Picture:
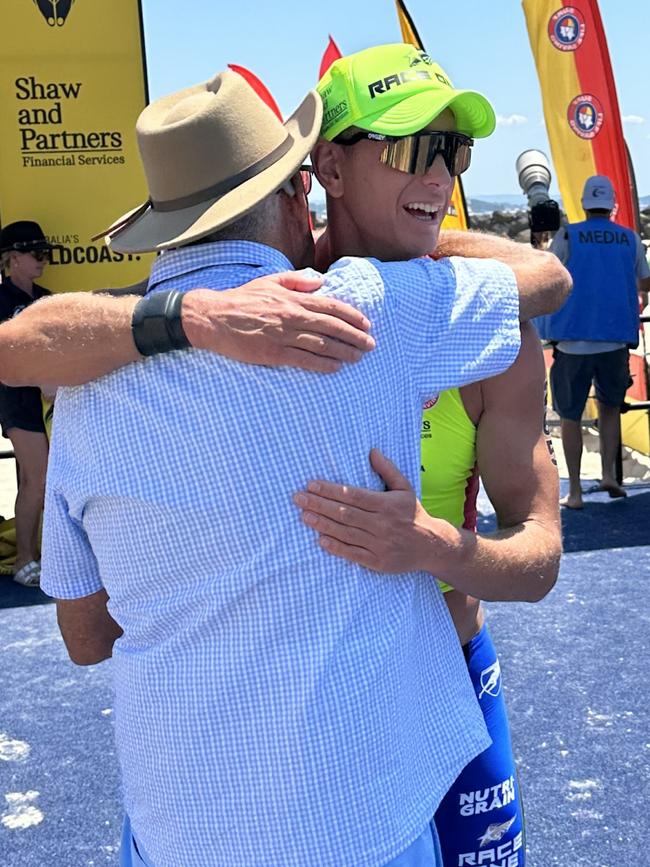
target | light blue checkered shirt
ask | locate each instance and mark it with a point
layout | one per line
(275, 705)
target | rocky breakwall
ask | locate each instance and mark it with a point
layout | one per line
(514, 224)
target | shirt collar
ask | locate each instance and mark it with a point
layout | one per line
(10, 286)
(176, 263)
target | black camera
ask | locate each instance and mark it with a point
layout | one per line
(544, 216)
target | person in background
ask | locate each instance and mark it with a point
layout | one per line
(24, 250)
(594, 329)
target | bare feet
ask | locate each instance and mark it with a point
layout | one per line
(572, 501)
(613, 489)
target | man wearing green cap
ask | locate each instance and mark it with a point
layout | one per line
(389, 112)
(385, 815)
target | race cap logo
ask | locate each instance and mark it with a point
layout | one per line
(566, 28)
(422, 57)
(491, 680)
(586, 116)
(55, 12)
(495, 833)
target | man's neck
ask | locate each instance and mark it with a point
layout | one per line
(342, 236)
(323, 257)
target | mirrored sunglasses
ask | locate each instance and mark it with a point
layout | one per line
(415, 154)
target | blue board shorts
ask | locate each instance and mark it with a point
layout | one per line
(481, 819)
(130, 853)
(423, 852)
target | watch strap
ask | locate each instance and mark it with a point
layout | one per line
(156, 324)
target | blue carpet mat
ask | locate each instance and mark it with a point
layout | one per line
(575, 670)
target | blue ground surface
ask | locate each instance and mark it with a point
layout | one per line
(576, 676)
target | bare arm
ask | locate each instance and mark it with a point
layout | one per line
(544, 283)
(644, 288)
(391, 532)
(521, 559)
(88, 630)
(72, 338)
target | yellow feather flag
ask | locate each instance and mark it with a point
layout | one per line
(457, 216)
(581, 109)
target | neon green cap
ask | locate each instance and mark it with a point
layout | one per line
(396, 90)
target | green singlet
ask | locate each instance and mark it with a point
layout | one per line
(448, 462)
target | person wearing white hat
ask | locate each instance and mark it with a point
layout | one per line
(594, 329)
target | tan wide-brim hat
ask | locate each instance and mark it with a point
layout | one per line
(211, 153)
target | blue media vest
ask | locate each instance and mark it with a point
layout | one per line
(603, 304)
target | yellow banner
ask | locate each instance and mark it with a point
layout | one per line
(72, 83)
(457, 214)
(560, 84)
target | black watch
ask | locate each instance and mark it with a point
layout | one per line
(156, 324)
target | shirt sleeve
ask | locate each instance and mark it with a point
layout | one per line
(560, 245)
(69, 569)
(642, 269)
(459, 319)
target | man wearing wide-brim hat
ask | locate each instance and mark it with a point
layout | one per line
(273, 705)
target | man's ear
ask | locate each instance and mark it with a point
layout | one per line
(327, 159)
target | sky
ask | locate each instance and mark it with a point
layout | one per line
(482, 44)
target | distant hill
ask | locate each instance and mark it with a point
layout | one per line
(485, 204)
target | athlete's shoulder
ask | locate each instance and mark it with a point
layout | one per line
(488, 273)
(391, 279)
(527, 372)
(352, 276)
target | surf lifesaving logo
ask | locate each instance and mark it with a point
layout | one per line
(566, 28)
(55, 12)
(585, 115)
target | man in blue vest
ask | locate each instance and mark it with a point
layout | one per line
(595, 328)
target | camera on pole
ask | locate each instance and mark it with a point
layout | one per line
(534, 174)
